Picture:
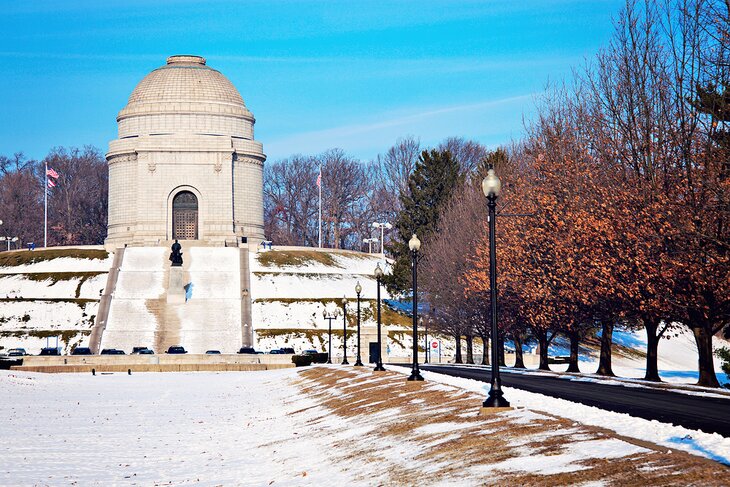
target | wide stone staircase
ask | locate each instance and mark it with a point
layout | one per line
(209, 317)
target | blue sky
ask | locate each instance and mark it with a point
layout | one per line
(316, 74)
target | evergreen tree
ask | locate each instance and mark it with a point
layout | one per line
(715, 101)
(429, 187)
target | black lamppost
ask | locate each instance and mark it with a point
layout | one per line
(329, 317)
(491, 187)
(358, 290)
(344, 331)
(379, 365)
(415, 245)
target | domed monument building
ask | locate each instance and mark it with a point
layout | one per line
(185, 165)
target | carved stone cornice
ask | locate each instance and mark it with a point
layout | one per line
(246, 159)
(131, 157)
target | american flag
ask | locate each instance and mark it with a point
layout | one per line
(319, 180)
(52, 173)
(51, 183)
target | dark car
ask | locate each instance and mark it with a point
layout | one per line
(247, 350)
(287, 350)
(136, 350)
(176, 349)
(146, 351)
(310, 352)
(276, 351)
(212, 352)
(112, 351)
(50, 351)
(17, 352)
(81, 351)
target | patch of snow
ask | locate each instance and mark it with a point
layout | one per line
(566, 461)
(445, 427)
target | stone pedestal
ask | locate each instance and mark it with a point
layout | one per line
(176, 286)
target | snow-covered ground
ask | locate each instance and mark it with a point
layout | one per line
(287, 298)
(677, 357)
(50, 299)
(326, 426)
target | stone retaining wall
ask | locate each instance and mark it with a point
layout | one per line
(56, 369)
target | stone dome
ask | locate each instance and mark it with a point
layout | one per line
(182, 97)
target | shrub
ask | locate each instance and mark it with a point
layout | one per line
(724, 355)
(320, 358)
(301, 360)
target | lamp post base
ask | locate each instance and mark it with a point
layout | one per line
(379, 368)
(345, 362)
(328, 362)
(358, 363)
(415, 376)
(495, 399)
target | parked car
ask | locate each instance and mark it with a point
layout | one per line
(50, 351)
(17, 352)
(276, 351)
(146, 351)
(212, 352)
(81, 351)
(137, 350)
(247, 350)
(287, 350)
(310, 352)
(177, 350)
(112, 351)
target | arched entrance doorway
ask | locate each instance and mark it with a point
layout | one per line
(185, 216)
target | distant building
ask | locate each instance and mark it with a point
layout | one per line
(186, 165)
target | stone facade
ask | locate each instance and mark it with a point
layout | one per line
(185, 129)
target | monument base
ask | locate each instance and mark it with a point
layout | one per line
(176, 287)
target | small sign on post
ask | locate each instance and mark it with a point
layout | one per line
(436, 347)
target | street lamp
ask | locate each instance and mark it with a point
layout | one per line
(491, 187)
(329, 317)
(379, 365)
(358, 290)
(246, 339)
(370, 242)
(344, 331)
(8, 239)
(415, 245)
(382, 226)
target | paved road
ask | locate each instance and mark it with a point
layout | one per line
(708, 414)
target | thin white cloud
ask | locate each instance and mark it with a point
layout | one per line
(437, 122)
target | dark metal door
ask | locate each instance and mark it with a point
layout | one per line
(185, 216)
(373, 352)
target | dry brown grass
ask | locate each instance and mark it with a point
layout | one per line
(295, 258)
(464, 451)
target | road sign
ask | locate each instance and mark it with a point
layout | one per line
(434, 344)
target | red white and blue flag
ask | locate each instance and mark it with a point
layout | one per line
(51, 183)
(51, 172)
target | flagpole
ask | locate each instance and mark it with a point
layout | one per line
(45, 205)
(320, 206)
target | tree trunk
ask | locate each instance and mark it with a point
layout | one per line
(469, 349)
(542, 342)
(703, 338)
(604, 364)
(458, 359)
(651, 324)
(574, 342)
(485, 350)
(519, 359)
